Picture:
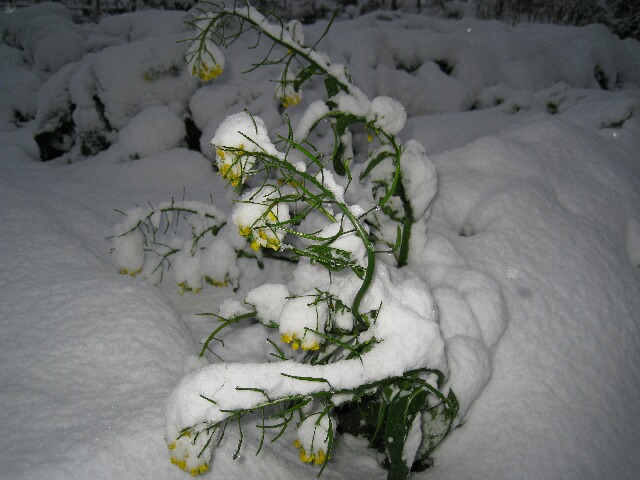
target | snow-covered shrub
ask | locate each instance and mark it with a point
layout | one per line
(84, 106)
(364, 335)
(18, 89)
(150, 132)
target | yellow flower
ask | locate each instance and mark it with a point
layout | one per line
(195, 471)
(227, 172)
(182, 464)
(215, 282)
(125, 271)
(205, 72)
(290, 100)
(231, 167)
(183, 287)
(318, 457)
(297, 343)
(260, 237)
(181, 458)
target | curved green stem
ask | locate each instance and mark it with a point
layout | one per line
(226, 322)
(358, 228)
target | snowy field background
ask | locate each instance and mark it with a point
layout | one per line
(532, 249)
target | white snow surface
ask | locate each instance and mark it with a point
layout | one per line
(530, 248)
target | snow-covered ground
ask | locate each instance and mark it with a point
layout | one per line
(532, 249)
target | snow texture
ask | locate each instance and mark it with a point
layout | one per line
(530, 247)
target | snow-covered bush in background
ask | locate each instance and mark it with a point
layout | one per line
(136, 63)
(152, 131)
(620, 16)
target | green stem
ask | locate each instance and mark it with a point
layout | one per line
(371, 262)
(225, 323)
(359, 230)
(407, 224)
(299, 50)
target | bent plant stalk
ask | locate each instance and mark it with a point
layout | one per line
(226, 25)
(358, 321)
(319, 384)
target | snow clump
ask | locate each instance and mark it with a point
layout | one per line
(152, 131)
(237, 136)
(259, 216)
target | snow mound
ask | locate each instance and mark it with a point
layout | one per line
(150, 132)
(88, 356)
(543, 209)
(531, 250)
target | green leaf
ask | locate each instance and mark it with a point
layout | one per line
(332, 86)
(402, 411)
(374, 162)
(304, 75)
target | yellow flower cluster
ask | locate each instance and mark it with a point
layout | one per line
(184, 287)
(205, 72)
(125, 271)
(260, 237)
(264, 237)
(217, 283)
(290, 100)
(180, 458)
(230, 167)
(297, 343)
(206, 61)
(318, 457)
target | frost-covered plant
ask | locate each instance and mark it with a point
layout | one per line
(363, 335)
(178, 234)
(345, 107)
(352, 337)
(360, 332)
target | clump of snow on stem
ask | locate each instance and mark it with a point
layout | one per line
(294, 28)
(387, 115)
(269, 300)
(347, 240)
(312, 115)
(237, 137)
(258, 216)
(302, 321)
(128, 249)
(286, 91)
(419, 177)
(313, 438)
(326, 177)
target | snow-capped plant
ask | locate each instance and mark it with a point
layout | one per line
(360, 332)
(178, 234)
(363, 336)
(345, 107)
